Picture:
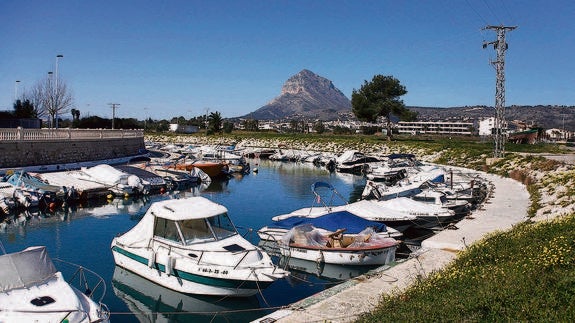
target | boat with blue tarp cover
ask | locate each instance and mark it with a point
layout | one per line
(325, 215)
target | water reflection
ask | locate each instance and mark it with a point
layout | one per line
(153, 303)
(328, 272)
(98, 208)
(300, 269)
(134, 206)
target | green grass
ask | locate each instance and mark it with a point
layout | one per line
(525, 275)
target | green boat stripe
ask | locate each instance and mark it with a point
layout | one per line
(211, 281)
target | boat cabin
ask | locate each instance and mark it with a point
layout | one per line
(195, 230)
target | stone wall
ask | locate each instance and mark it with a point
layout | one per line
(32, 153)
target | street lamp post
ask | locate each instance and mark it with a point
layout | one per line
(114, 107)
(56, 88)
(51, 101)
(206, 121)
(16, 91)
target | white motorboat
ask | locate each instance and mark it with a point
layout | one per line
(353, 161)
(338, 216)
(427, 215)
(118, 182)
(459, 207)
(326, 223)
(409, 185)
(397, 167)
(33, 290)
(364, 248)
(15, 196)
(191, 246)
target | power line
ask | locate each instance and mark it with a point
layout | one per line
(492, 12)
(511, 18)
(476, 12)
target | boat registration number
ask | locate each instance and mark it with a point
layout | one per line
(213, 271)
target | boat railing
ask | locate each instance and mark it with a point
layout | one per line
(89, 283)
(201, 253)
(27, 134)
(103, 314)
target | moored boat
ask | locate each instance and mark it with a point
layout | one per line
(191, 246)
(353, 161)
(324, 206)
(364, 248)
(118, 182)
(214, 169)
(326, 224)
(46, 194)
(33, 290)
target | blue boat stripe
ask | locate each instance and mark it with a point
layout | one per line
(219, 282)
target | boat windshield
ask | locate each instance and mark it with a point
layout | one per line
(222, 226)
(196, 230)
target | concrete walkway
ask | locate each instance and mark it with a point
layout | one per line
(507, 206)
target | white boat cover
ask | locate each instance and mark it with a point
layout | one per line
(196, 207)
(347, 156)
(405, 204)
(373, 210)
(27, 267)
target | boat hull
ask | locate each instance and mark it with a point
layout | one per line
(342, 256)
(213, 169)
(190, 278)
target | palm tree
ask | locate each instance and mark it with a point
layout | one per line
(215, 122)
(75, 116)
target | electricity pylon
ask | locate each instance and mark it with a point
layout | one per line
(500, 46)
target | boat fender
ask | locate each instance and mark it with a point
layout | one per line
(170, 266)
(320, 259)
(152, 259)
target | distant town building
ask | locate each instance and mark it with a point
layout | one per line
(435, 127)
(180, 128)
(486, 126)
(558, 134)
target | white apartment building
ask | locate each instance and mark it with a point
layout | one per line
(435, 127)
(486, 126)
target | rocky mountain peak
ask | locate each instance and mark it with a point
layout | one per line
(305, 94)
(306, 80)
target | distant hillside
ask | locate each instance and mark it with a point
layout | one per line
(310, 96)
(306, 95)
(543, 116)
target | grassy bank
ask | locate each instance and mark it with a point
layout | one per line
(523, 275)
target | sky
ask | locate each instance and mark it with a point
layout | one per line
(169, 58)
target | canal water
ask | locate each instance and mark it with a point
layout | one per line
(83, 234)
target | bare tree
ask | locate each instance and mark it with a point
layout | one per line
(50, 100)
(36, 96)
